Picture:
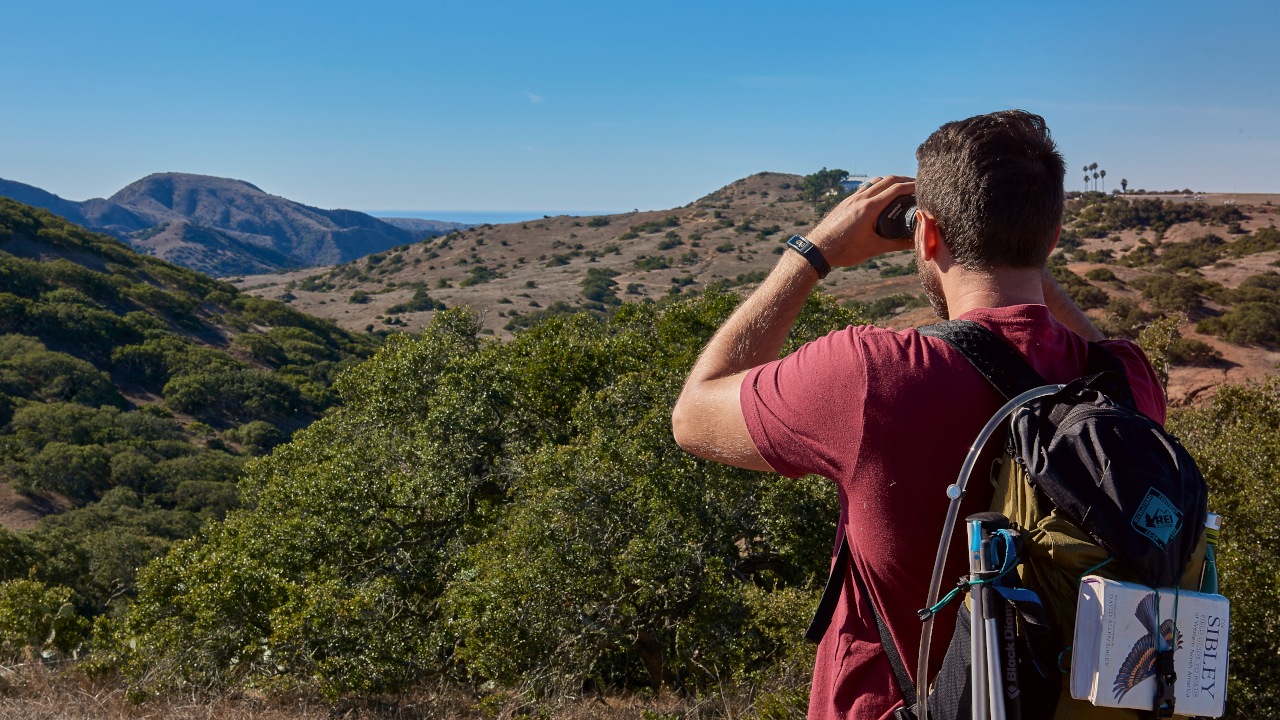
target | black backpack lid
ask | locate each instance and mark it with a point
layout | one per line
(1111, 470)
(1116, 474)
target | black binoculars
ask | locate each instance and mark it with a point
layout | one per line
(898, 221)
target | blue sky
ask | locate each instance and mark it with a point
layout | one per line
(614, 106)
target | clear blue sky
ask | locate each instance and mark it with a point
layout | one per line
(613, 106)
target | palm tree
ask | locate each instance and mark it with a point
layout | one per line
(1086, 179)
(1124, 185)
(1093, 168)
(1104, 179)
(1095, 181)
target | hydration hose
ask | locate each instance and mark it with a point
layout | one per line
(955, 492)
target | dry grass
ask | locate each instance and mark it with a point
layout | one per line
(31, 691)
(34, 691)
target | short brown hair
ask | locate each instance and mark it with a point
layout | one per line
(994, 183)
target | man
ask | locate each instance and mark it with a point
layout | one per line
(889, 416)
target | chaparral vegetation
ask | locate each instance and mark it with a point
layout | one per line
(256, 501)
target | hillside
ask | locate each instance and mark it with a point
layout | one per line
(516, 273)
(507, 519)
(222, 227)
(132, 391)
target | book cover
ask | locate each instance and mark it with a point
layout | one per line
(1119, 628)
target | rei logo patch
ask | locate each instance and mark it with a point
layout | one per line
(1157, 518)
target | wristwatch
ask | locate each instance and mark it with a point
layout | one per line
(811, 253)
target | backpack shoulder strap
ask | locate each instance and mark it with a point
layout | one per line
(827, 608)
(994, 358)
(900, 674)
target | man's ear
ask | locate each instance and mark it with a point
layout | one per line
(930, 235)
(1056, 236)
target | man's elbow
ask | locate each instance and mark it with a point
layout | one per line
(682, 425)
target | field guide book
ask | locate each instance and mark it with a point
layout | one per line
(1118, 626)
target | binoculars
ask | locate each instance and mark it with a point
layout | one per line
(898, 221)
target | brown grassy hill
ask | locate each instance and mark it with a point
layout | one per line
(514, 273)
(729, 236)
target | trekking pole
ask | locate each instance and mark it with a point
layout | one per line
(955, 492)
(977, 626)
(984, 627)
(991, 631)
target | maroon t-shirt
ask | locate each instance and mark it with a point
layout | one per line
(889, 416)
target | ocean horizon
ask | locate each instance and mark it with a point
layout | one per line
(481, 217)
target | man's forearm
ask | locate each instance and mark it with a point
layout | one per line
(707, 419)
(1065, 310)
(756, 331)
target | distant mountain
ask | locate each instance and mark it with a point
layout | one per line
(228, 227)
(425, 228)
(102, 215)
(201, 247)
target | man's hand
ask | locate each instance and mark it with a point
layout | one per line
(847, 235)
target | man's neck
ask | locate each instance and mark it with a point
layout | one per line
(967, 290)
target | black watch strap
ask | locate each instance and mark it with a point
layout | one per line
(811, 253)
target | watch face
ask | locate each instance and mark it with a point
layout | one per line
(801, 244)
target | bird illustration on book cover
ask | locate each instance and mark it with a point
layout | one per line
(1140, 664)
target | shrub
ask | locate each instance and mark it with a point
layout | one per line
(420, 302)
(1173, 293)
(223, 393)
(36, 372)
(78, 472)
(886, 307)
(598, 286)
(258, 437)
(1140, 256)
(1105, 255)
(1156, 339)
(38, 617)
(1258, 288)
(689, 257)
(1262, 240)
(1189, 351)
(899, 270)
(1247, 323)
(654, 262)
(1078, 289)
(479, 274)
(1124, 318)
(1195, 253)
(515, 513)
(1096, 215)
(1235, 441)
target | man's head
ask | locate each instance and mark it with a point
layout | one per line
(994, 185)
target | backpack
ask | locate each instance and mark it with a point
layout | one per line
(1086, 485)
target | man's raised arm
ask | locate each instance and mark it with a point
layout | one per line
(707, 420)
(1065, 310)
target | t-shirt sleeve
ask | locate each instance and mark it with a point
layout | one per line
(804, 412)
(1148, 391)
